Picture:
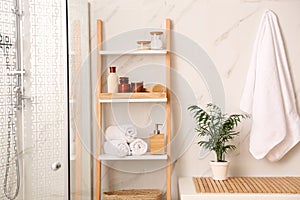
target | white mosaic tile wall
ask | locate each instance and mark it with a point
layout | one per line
(43, 135)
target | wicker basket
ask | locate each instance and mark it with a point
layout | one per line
(144, 194)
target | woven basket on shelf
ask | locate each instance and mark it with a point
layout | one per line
(144, 194)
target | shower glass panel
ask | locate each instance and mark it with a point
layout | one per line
(81, 121)
(33, 100)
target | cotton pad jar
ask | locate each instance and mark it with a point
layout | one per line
(143, 44)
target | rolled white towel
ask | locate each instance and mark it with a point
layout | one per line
(117, 148)
(130, 132)
(125, 132)
(138, 147)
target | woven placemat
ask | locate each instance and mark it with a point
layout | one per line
(284, 185)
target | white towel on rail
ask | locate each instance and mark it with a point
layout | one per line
(138, 147)
(125, 132)
(117, 148)
(269, 96)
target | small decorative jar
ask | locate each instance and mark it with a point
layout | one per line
(137, 86)
(143, 44)
(124, 85)
(156, 40)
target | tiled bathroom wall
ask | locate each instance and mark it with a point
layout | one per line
(45, 113)
(33, 106)
(9, 115)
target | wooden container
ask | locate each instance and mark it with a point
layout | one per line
(157, 144)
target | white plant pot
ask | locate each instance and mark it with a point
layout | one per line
(219, 170)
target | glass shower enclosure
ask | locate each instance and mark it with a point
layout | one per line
(33, 100)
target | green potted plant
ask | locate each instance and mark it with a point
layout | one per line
(216, 130)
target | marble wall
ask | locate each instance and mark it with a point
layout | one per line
(225, 32)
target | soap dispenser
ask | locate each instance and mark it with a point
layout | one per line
(157, 141)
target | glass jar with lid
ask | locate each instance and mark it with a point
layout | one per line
(124, 85)
(143, 44)
(156, 40)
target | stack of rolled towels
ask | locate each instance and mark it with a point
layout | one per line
(122, 141)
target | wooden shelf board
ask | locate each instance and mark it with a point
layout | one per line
(134, 52)
(141, 157)
(133, 97)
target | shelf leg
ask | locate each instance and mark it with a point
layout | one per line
(168, 108)
(98, 180)
(99, 112)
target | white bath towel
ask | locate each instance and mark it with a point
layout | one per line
(138, 147)
(269, 95)
(126, 132)
(117, 148)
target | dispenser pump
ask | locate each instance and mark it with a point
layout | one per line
(157, 131)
